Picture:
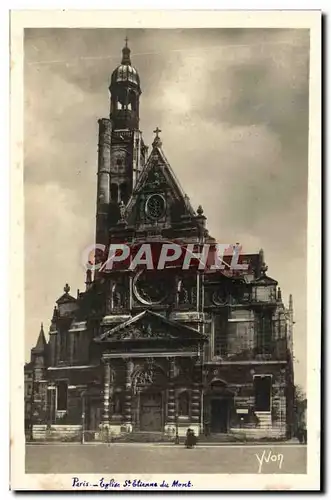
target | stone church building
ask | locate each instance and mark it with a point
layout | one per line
(158, 351)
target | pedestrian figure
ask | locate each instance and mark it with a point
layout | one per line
(191, 439)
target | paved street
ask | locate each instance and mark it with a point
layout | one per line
(158, 458)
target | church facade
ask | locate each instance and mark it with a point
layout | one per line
(150, 350)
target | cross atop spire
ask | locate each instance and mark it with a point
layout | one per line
(157, 141)
(126, 53)
(157, 131)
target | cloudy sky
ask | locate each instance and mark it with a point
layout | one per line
(233, 108)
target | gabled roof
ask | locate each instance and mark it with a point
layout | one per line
(139, 328)
(66, 298)
(264, 280)
(158, 163)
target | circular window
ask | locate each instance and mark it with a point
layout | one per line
(155, 206)
(150, 288)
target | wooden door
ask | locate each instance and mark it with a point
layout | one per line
(151, 412)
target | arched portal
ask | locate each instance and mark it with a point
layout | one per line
(148, 386)
(218, 405)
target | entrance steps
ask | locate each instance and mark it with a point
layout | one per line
(265, 420)
(217, 438)
(143, 437)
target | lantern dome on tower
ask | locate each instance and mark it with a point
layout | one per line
(125, 72)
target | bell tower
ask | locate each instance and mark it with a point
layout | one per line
(125, 93)
(121, 151)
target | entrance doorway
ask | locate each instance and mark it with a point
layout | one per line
(219, 415)
(94, 416)
(262, 388)
(150, 411)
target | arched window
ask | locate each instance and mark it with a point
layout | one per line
(124, 192)
(114, 192)
(134, 102)
(183, 404)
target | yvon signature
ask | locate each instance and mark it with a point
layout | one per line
(268, 457)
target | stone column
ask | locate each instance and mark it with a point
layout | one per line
(106, 393)
(128, 396)
(171, 405)
(195, 403)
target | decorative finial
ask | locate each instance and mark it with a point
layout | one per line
(41, 326)
(157, 141)
(264, 268)
(290, 302)
(66, 288)
(200, 210)
(126, 53)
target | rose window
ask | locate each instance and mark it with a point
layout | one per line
(155, 207)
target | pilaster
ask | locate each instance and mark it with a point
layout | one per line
(106, 394)
(128, 396)
(171, 404)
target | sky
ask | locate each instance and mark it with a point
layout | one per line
(232, 105)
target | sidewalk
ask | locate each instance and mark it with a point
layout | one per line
(261, 444)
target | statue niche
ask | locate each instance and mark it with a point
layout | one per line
(187, 293)
(118, 297)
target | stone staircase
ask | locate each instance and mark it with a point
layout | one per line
(142, 437)
(218, 438)
(265, 421)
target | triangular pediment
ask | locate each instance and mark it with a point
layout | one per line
(150, 326)
(158, 178)
(264, 280)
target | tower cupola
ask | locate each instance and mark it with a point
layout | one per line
(125, 92)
